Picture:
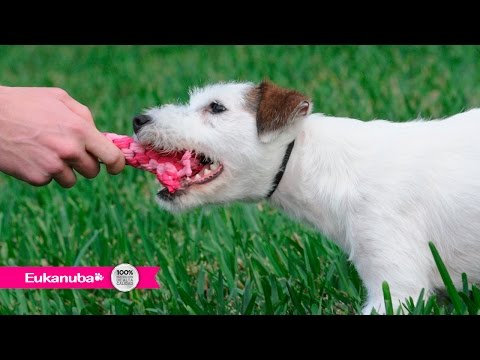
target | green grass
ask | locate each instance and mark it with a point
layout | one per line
(238, 259)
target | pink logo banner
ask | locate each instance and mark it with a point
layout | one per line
(70, 277)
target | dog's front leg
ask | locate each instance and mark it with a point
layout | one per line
(403, 285)
(399, 295)
(406, 276)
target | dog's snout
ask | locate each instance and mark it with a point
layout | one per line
(139, 121)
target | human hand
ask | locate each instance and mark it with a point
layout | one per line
(45, 134)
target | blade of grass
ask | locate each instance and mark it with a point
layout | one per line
(465, 283)
(420, 305)
(387, 298)
(472, 309)
(85, 247)
(447, 280)
(267, 295)
(248, 299)
(23, 307)
(476, 295)
(295, 299)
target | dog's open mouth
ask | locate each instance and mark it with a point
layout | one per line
(178, 170)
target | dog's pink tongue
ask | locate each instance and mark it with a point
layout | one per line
(168, 167)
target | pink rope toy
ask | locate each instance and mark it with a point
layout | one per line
(168, 173)
(173, 169)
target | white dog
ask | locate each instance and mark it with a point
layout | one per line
(381, 190)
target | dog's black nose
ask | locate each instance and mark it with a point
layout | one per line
(139, 121)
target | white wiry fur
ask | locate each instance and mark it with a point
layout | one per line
(380, 190)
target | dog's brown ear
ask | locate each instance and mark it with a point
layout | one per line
(276, 108)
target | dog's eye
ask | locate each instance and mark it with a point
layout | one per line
(216, 108)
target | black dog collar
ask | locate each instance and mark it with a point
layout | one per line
(280, 172)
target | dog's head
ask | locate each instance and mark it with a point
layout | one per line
(238, 131)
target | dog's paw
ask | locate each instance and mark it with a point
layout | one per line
(98, 277)
(374, 307)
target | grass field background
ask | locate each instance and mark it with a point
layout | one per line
(239, 259)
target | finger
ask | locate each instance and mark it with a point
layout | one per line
(78, 108)
(86, 165)
(66, 178)
(74, 106)
(56, 92)
(101, 147)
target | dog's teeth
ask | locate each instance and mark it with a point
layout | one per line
(214, 166)
(197, 177)
(206, 172)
